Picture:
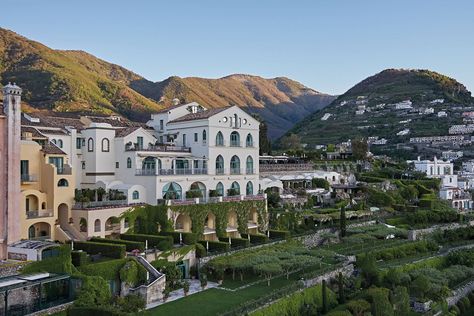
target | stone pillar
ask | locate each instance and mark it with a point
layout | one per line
(10, 167)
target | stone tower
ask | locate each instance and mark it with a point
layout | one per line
(10, 137)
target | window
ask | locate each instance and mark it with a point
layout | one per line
(90, 145)
(161, 125)
(234, 139)
(195, 137)
(58, 162)
(139, 142)
(63, 183)
(83, 164)
(184, 140)
(219, 165)
(220, 189)
(235, 165)
(204, 136)
(24, 169)
(249, 165)
(129, 163)
(60, 143)
(196, 164)
(135, 195)
(105, 145)
(249, 189)
(219, 139)
(97, 225)
(79, 143)
(117, 165)
(249, 141)
(234, 188)
(172, 191)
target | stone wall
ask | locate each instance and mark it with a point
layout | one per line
(460, 293)
(13, 268)
(152, 292)
(418, 234)
(346, 271)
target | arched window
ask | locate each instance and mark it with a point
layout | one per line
(235, 165)
(53, 141)
(172, 191)
(220, 189)
(219, 139)
(135, 195)
(219, 165)
(60, 143)
(249, 140)
(204, 136)
(63, 183)
(234, 189)
(249, 189)
(249, 165)
(129, 162)
(105, 145)
(234, 139)
(97, 225)
(149, 166)
(90, 145)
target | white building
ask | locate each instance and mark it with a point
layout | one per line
(403, 132)
(461, 129)
(404, 105)
(442, 114)
(451, 155)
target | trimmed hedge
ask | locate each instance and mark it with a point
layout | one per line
(108, 270)
(215, 245)
(256, 239)
(96, 311)
(201, 251)
(129, 244)
(154, 241)
(279, 234)
(236, 242)
(108, 250)
(79, 258)
(188, 238)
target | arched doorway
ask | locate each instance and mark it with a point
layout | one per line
(112, 224)
(210, 222)
(232, 219)
(40, 230)
(172, 191)
(31, 204)
(97, 225)
(183, 223)
(63, 214)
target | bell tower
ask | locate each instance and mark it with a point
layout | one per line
(10, 191)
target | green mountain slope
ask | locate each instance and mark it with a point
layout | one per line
(77, 82)
(378, 94)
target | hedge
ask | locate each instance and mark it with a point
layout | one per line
(79, 258)
(108, 250)
(279, 234)
(236, 242)
(188, 238)
(426, 203)
(256, 239)
(200, 251)
(404, 250)
(109, 270)
(215, 245)
(154, 241)
(129, 245)
(96, 311)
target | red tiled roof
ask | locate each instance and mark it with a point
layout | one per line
(51, 149)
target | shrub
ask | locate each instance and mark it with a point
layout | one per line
(129, 244)
(236, 242)
(426, 203)
(215, 245)
(79, 258)
(172, 272)
(187, 238)
(279, 234)
(60, 264)
(200, 251)
(130, 303)
(95, 292)
(108, 250)
(160, 242)
(256, 239)
(109, 270)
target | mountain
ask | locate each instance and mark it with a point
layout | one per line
(76, 82)
(427, 91)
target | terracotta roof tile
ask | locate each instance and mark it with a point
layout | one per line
(51, 149)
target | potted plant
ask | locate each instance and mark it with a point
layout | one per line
(220, 276)
(186, 287)
(166, 294)
(203, 280)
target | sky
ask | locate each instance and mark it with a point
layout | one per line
(328, 45)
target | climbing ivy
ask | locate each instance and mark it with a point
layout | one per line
(149, 219)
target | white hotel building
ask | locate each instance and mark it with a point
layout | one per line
(185, 150)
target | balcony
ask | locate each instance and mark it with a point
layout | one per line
(220, 199)
(286, 167)
(170, 172)
(235, 144)
(160, 148)
(101, 204)
(65, 170)
(39, 214)
(28, 178)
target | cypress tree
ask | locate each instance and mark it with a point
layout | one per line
(325, 298)
(342, 222)
(342, 298)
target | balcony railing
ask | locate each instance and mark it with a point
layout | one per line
(235, 171)
(169, 172)
(257, 197)
(29, 178)
(65, 170)
(160, 148)
(250, 171)
(39, 214)
(101, 204)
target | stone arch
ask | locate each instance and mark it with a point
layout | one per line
(112, 224)
(232, 219)
(39, 230)
(63, 214)
(210, 222)
(183, 223)
(197, 189)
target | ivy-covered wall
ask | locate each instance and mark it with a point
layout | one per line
(151, 219)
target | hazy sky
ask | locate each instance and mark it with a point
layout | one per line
(327, 45)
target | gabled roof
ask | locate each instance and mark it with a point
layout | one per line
(199, 115)
(51, 149)
(34, 131)
(122, 132)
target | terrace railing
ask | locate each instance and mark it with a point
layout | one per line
(159, 148)
(286, 167)
(29, 178)
(39, 214)
(169, 172)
